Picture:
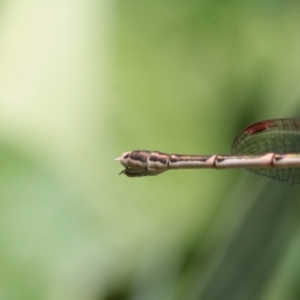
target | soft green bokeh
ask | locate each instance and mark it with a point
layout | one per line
(83, 81)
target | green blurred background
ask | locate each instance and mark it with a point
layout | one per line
(83, 81)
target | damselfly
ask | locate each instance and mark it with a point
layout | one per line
(269, 148)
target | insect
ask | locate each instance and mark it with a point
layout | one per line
(268, 148)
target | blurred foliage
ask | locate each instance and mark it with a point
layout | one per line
(82, 82)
